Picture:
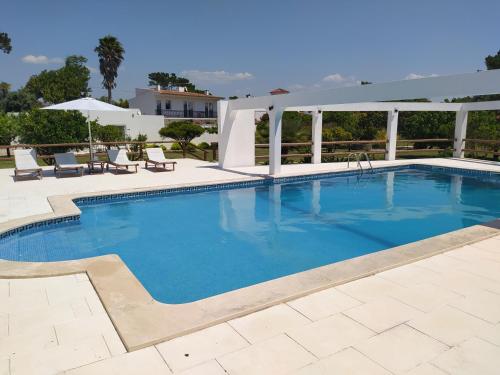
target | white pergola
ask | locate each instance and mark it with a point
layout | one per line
(236, 121)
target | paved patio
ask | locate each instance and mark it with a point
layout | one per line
(440, 315)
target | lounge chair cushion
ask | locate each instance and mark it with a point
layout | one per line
(119, 157)
(67, 160)
(156, 155)
(26, 159)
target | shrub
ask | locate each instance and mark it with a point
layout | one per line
(176, 147)
(204, 145)
(47, 126)
(183, 132)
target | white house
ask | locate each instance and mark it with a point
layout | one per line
(176, 103)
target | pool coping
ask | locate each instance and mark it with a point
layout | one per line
(142, 321)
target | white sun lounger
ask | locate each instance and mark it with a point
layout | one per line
(156, 157)
(26, 163)
(67, 162)
(119, 159)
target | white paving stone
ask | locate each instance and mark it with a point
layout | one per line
(401, 348)
(450, 325)
(188, 351)
(60, 358)
(78, 329)
(276, 356)
(4, 367)
(25, 344)
(208, 368)
(484, 305)
(268, 323)
(491, 335)
(348, 361)
(382, 313)
(369, 288)
(426, 369)
(330, 335)
(323, 304)
(409, 275)
(425, 296)
(472, 357)
(144, 361)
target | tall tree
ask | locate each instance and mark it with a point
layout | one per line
(67, 83)
(5, 43)
(170, 79)
(492, 62)
(110, 52)
(183, 132)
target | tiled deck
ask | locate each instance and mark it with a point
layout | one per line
(440, 315)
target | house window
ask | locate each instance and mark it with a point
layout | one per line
(168, 104)
(158, 107)
(210, 109)
(206, 110)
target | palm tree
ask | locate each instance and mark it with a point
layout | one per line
(110, 52)
(5, 45)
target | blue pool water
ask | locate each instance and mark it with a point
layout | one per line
(188, 246)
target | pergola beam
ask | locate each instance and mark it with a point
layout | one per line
(237, 125)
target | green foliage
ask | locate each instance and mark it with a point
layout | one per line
(212, 130)
(43, 127)
(119, 103)
(110, 133)
(176, 147)
(203, 145)
(17, 101)
(9, 129)
(492, 62)
(110, 52)
(296, 127)
(67, 83)
(4, 89)
(233, 97)
(170, 79)
(420, 125)
(183, 132)
(5, 43)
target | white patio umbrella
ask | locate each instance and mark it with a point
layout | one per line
(86, 105)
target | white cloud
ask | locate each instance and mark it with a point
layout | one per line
(418, 76)
(41, 59)
(337, 80)
(330, 81)
(218, 76)
(336, 77)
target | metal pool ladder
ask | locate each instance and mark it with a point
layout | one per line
(358, 156)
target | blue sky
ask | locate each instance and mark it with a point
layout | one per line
(239, 47)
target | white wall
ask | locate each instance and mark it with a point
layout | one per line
(135, 124)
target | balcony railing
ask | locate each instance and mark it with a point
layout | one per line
(186, 114)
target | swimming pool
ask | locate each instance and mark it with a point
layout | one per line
(186, 246)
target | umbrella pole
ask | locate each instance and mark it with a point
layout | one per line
(90, 136)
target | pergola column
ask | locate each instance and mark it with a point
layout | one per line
(275, 123)
(460, 133)
(317, 132)
(392, 134)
